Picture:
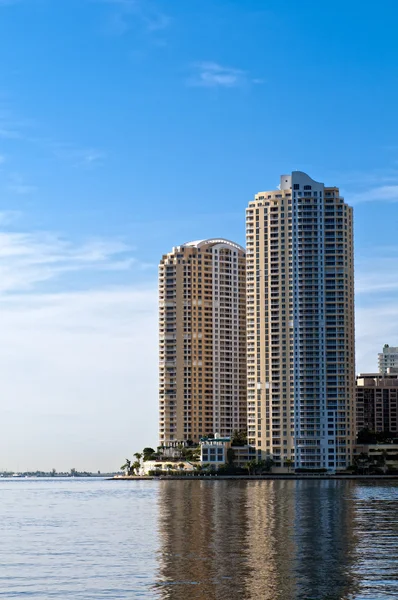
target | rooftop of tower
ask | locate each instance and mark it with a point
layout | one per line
(200, 243)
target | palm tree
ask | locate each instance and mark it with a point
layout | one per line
(169, 467)
(268, 463)
(239, 438)
(382, 461)
(288, 464)
(230, 456)
(251, 465)
(361, 462)
(126, 466)
(135, 467)
(181, 466)
(138, 456)
(148, 453)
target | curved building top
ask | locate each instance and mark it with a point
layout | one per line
(200, 243)
(298, 177)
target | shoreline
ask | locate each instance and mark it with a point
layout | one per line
(253, 477)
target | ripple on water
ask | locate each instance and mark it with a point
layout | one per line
(250, 540)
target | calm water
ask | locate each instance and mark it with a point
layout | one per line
(178, 540)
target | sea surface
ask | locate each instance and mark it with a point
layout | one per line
(188, 540)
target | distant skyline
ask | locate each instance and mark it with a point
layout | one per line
(129, 127)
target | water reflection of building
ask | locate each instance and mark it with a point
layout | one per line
(202, 536)
(376, 526)
(323, 528)
(300, 540)
(255, 540)
(271, 544)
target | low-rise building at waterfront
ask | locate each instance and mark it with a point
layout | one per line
(214, 450)
(181, 466)
(241, 455)
(382, 456)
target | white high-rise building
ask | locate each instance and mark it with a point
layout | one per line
(388, 359)
(300, 325)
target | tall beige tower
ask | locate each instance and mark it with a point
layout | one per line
(202, 346)
(300, 325)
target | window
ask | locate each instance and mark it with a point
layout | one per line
(296, 186)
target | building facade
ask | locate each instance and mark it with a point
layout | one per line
(214, 450)
(382, 456)
(300, 324)
(202, 345)
(377, 402)
(388, 359)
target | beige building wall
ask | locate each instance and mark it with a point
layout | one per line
(300, 324)
(202, 345)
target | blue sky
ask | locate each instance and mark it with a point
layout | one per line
(130, 126)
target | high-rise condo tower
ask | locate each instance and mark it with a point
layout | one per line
(202, 346)
(300, 325)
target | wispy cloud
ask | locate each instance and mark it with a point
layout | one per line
(212, 74)
(17, 185)
(81, 346)
(25, 131)
(10, 127)
(384, 193)
(376, 286)
(78, 157)
(376, 277)
(29, 259)
(375, 326)
(128, 12)
(8, 217)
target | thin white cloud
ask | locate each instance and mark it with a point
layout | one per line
(384, 193)
(26, 131)
(77, 365)
(8, 217)
(78, 157)
(376, 286)
(28, 259)
(375, 326)
(212, 74)
(13, 127)
(127, 12)
(17, 185)
(9, 130)
(377, 282)
(377, 274)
